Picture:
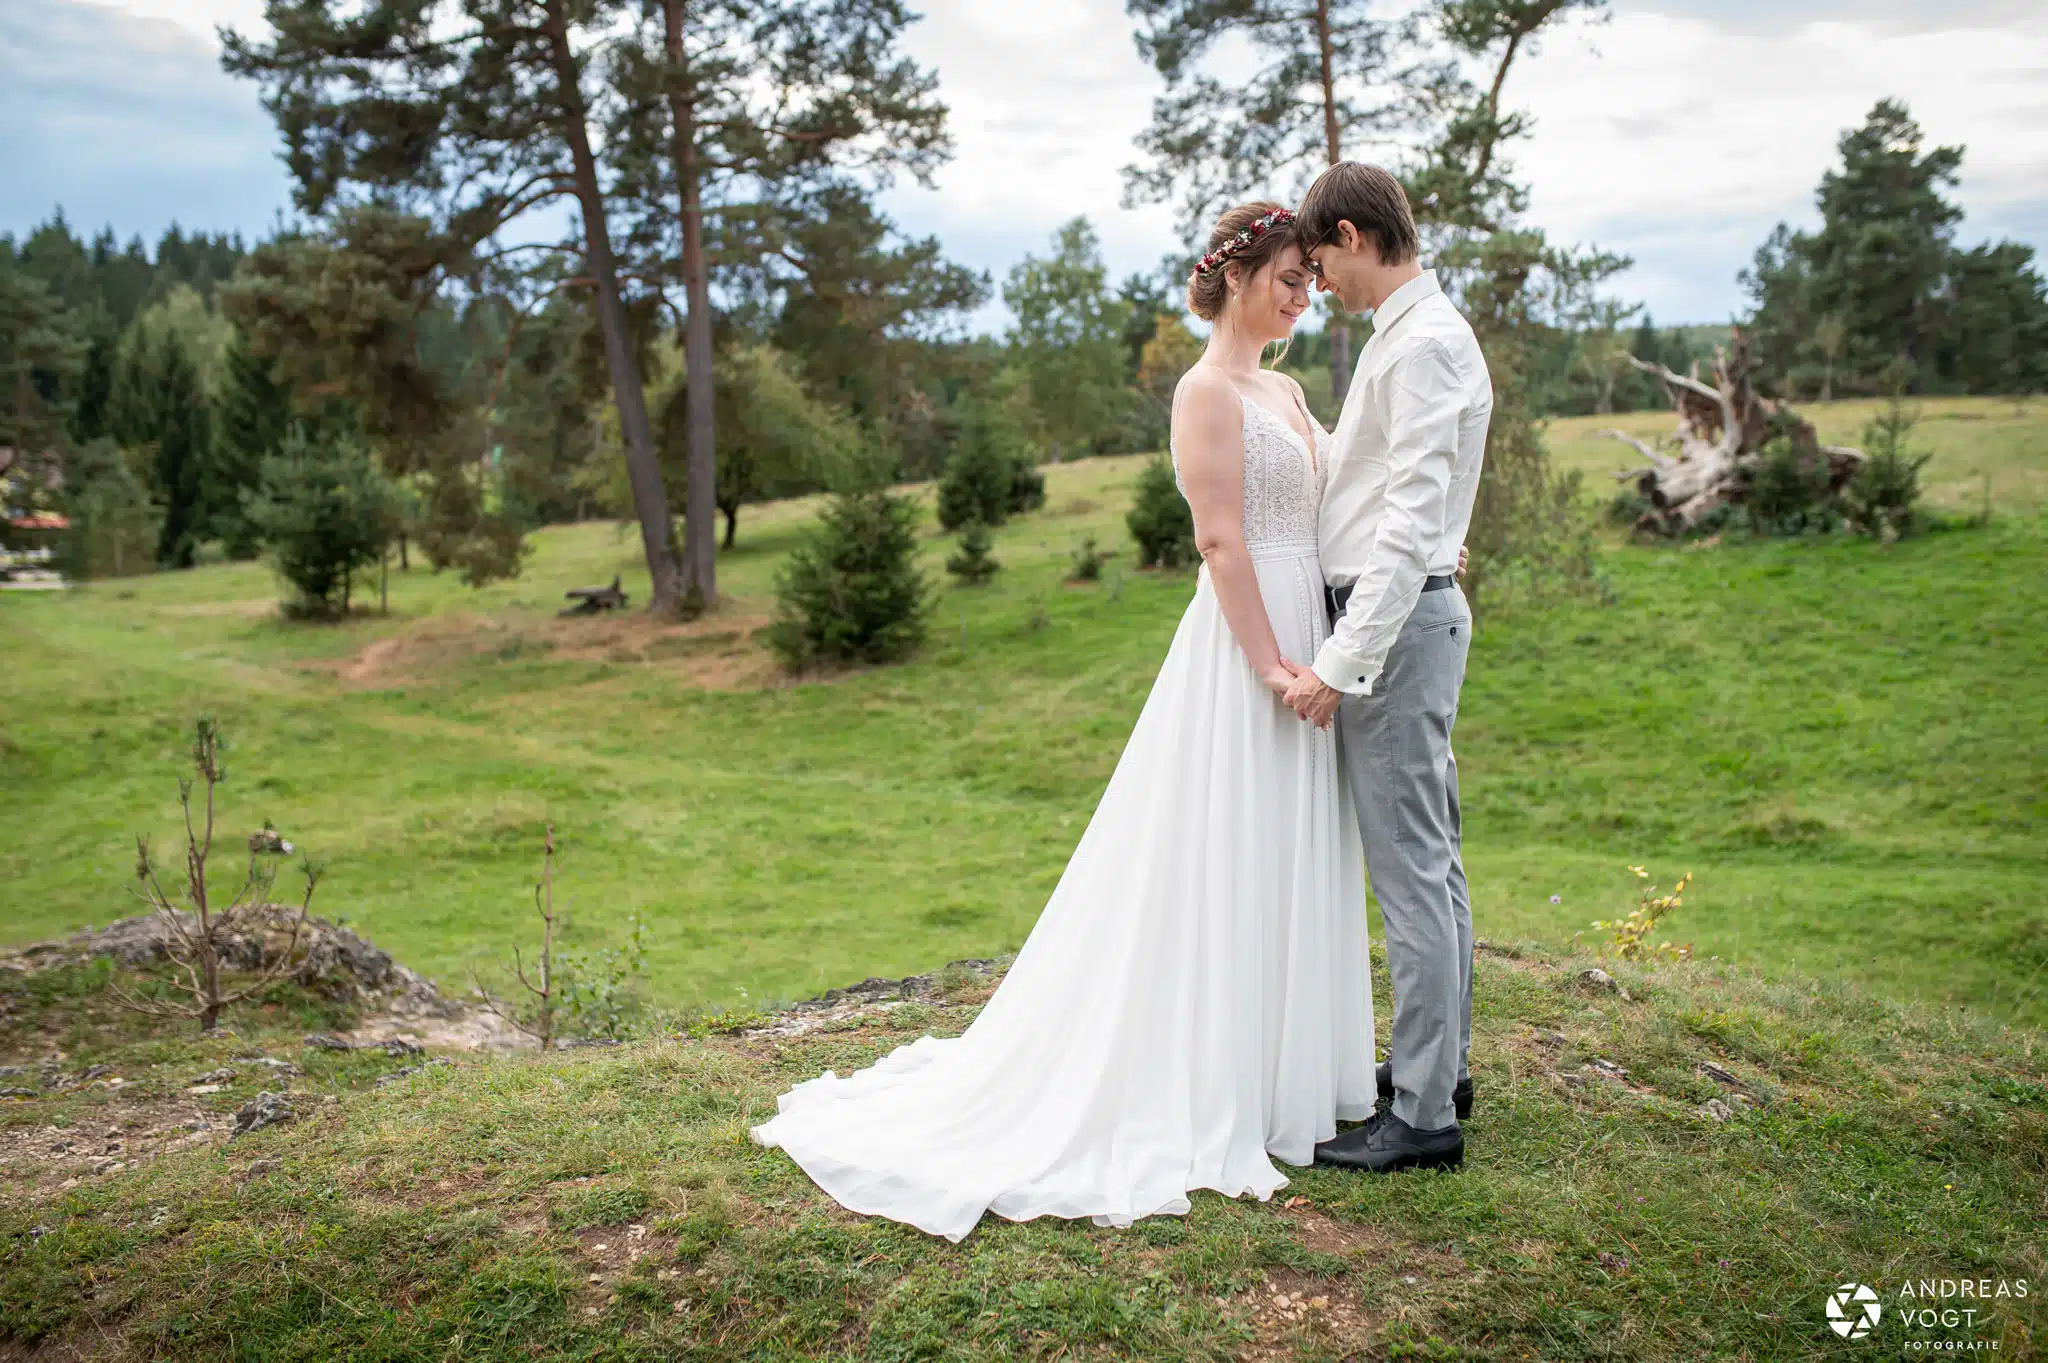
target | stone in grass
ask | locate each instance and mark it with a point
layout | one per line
(283, 1068)
(266, 1109)
(397, 1046)
(223, 1075)
(1598, 980)
(1717, 1110)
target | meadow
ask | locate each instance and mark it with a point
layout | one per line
(1843, 741)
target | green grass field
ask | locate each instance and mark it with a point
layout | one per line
(606, 1204)
(1843, 741)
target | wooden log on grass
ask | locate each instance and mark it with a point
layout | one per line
(595, 600)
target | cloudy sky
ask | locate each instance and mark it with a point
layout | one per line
(1677, 132)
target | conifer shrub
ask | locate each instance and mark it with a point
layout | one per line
(1160, 520)
(323, 511)
(990, 476)
(1882, 498)
(852, 592)
(973, 565)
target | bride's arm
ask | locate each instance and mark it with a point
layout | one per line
(1208, 439)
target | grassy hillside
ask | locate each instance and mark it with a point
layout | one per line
(1677, 1174)
(1842, 741)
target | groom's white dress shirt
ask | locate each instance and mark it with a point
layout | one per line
(1404, 465)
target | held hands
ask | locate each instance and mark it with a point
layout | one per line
(1308, 697)
(1313, 701)
(1281, 675)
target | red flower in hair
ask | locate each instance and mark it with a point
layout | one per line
(1279, 217)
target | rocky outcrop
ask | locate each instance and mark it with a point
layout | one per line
(399, 1005)
(876, 994)
(334, 961)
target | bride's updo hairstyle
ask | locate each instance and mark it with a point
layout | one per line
(1208, 288)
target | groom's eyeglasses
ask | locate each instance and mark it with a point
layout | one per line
(1308, 258)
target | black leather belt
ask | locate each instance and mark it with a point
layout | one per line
(1336, 597)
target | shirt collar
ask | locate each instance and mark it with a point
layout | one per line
(1400, 300)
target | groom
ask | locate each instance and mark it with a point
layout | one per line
(1403, 469)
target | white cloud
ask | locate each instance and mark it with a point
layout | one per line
(1045, 99)
(1683, 142)
(128, 120)
(1679, 132)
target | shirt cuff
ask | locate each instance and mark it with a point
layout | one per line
(1341, 672)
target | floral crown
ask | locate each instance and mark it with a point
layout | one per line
(1216, 259)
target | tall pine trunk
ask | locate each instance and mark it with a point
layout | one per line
(650, 501)
(1339, 324)
(700, 503)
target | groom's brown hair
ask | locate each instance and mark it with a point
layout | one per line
(1370, 200)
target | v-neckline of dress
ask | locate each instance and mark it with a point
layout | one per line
(1314, 463)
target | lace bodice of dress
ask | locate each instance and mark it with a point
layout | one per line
(1283, 487)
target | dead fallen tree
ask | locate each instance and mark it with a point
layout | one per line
(1724, 429)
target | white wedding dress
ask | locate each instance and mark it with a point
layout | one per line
(1195, 997)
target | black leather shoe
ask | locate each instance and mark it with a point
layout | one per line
(1461, 1096)
(1386, 1144)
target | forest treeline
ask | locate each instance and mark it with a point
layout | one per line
(728, 316)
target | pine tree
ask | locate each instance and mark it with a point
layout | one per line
(367, 96)
(989, 474)
(39, 357)
(115, 523)
(1871, 280)
(255, 415)
(325, 512)
(1996, 339)
(1324, 83)
(1160, 520)
(184, 453)
(1510, 282)
(861, 306)
(726, 108)
(973, 565)
(134, 402)
(852, 593)
(89, 410)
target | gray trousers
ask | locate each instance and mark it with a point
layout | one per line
(1396, 746)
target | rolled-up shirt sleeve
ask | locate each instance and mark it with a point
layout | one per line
(1424, 406)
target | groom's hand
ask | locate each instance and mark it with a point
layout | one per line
(1312, 700)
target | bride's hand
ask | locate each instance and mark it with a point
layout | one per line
(1281, 675)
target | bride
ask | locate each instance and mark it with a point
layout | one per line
(1194, 1001)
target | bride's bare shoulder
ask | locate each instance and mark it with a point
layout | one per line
(1205, 398)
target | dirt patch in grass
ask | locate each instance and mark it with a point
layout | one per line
(246, 610)
(724, 651)
(1293, 1313)
(41, 1160)
(611, 1252)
